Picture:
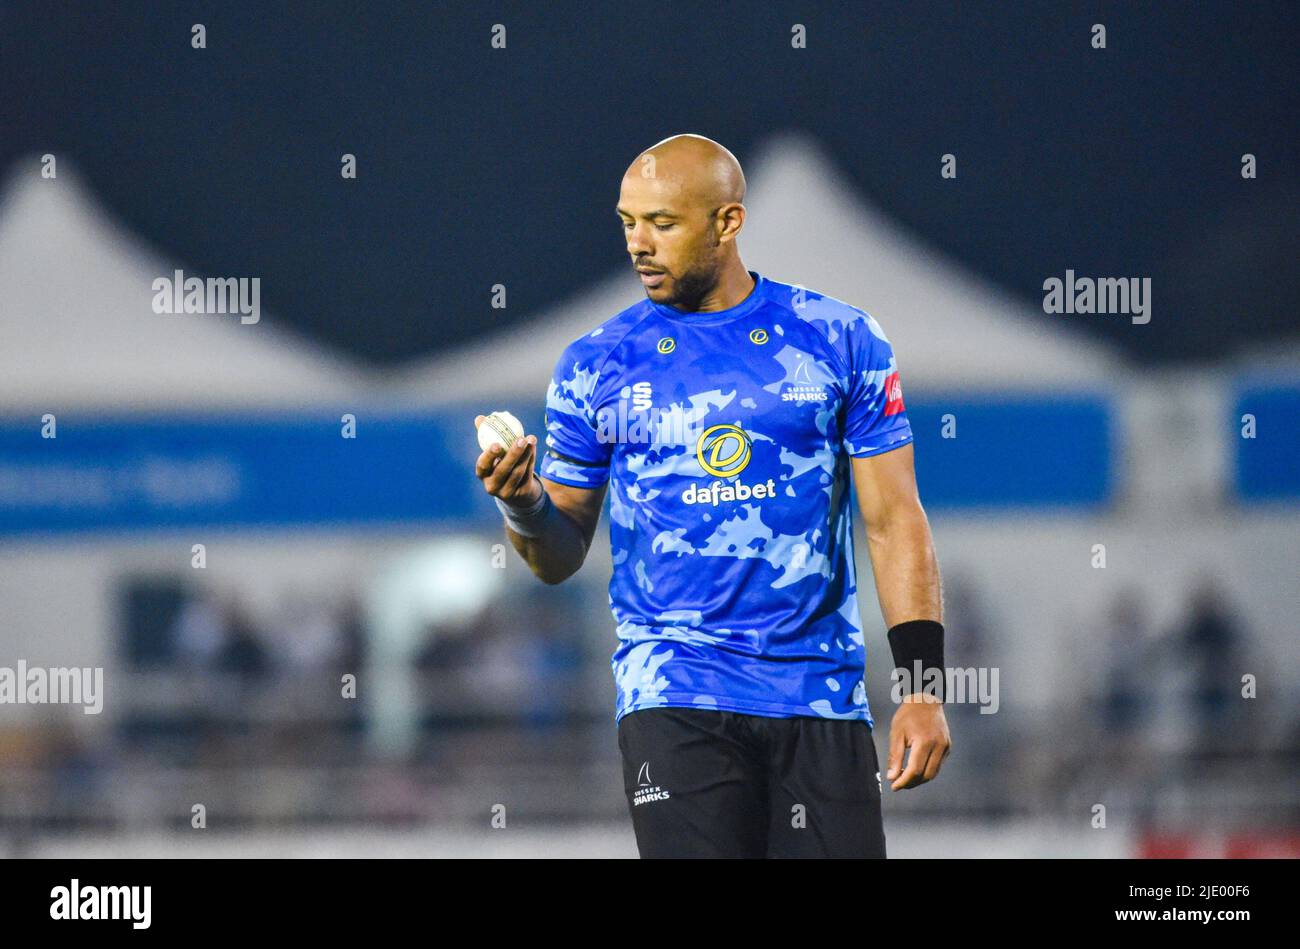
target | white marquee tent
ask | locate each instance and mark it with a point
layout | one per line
(806, 225)
(77, 328)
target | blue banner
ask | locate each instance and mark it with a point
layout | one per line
(149, 473)
(256, 470)
(1013, 451)
(1265, 433)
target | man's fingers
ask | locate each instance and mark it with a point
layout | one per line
(935, 763)
(486, 461)
(505, 467)
(916, 755)
(916, 760)
(522, 474)
(897, 742)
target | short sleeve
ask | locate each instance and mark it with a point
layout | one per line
(875, 420)
(575, 454)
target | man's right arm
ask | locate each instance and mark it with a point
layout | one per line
(551, 534)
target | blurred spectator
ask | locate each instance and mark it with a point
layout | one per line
(352, 637)
(307, 632)
(1128, 674)
(1211, 643)
(243, 652)
(964, 613)
(199, 632)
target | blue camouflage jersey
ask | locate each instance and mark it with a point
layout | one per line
(727, 439)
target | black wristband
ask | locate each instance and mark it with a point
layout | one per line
(917, 646)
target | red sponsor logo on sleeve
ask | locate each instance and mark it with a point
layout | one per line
(893, 394)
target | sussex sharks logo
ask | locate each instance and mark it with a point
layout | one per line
(646, 790)
(802, 388)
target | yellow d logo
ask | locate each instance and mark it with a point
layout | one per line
(723, 450)
(758, 336)
(667, 345)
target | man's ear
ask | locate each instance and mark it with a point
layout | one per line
(730, 219)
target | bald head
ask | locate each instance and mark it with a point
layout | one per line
(680, 204)
(700, 168)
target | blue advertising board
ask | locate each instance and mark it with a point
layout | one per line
(140, 473)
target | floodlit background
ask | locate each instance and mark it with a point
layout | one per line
(1116, 506)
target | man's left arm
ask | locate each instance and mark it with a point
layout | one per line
(907, 583)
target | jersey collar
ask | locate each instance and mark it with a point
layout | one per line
(741, 309)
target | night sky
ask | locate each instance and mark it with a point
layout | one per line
(480, 166)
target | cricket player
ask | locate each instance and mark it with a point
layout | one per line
(728, 414)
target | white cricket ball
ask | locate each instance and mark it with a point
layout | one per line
(499, 428)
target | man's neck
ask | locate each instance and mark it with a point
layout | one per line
(732, 287)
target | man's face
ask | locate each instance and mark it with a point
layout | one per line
(671, 238)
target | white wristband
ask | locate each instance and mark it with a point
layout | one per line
(527, 522)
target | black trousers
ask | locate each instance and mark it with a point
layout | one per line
(707, 783)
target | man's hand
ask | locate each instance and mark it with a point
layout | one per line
(920, 727)
(508, 474)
